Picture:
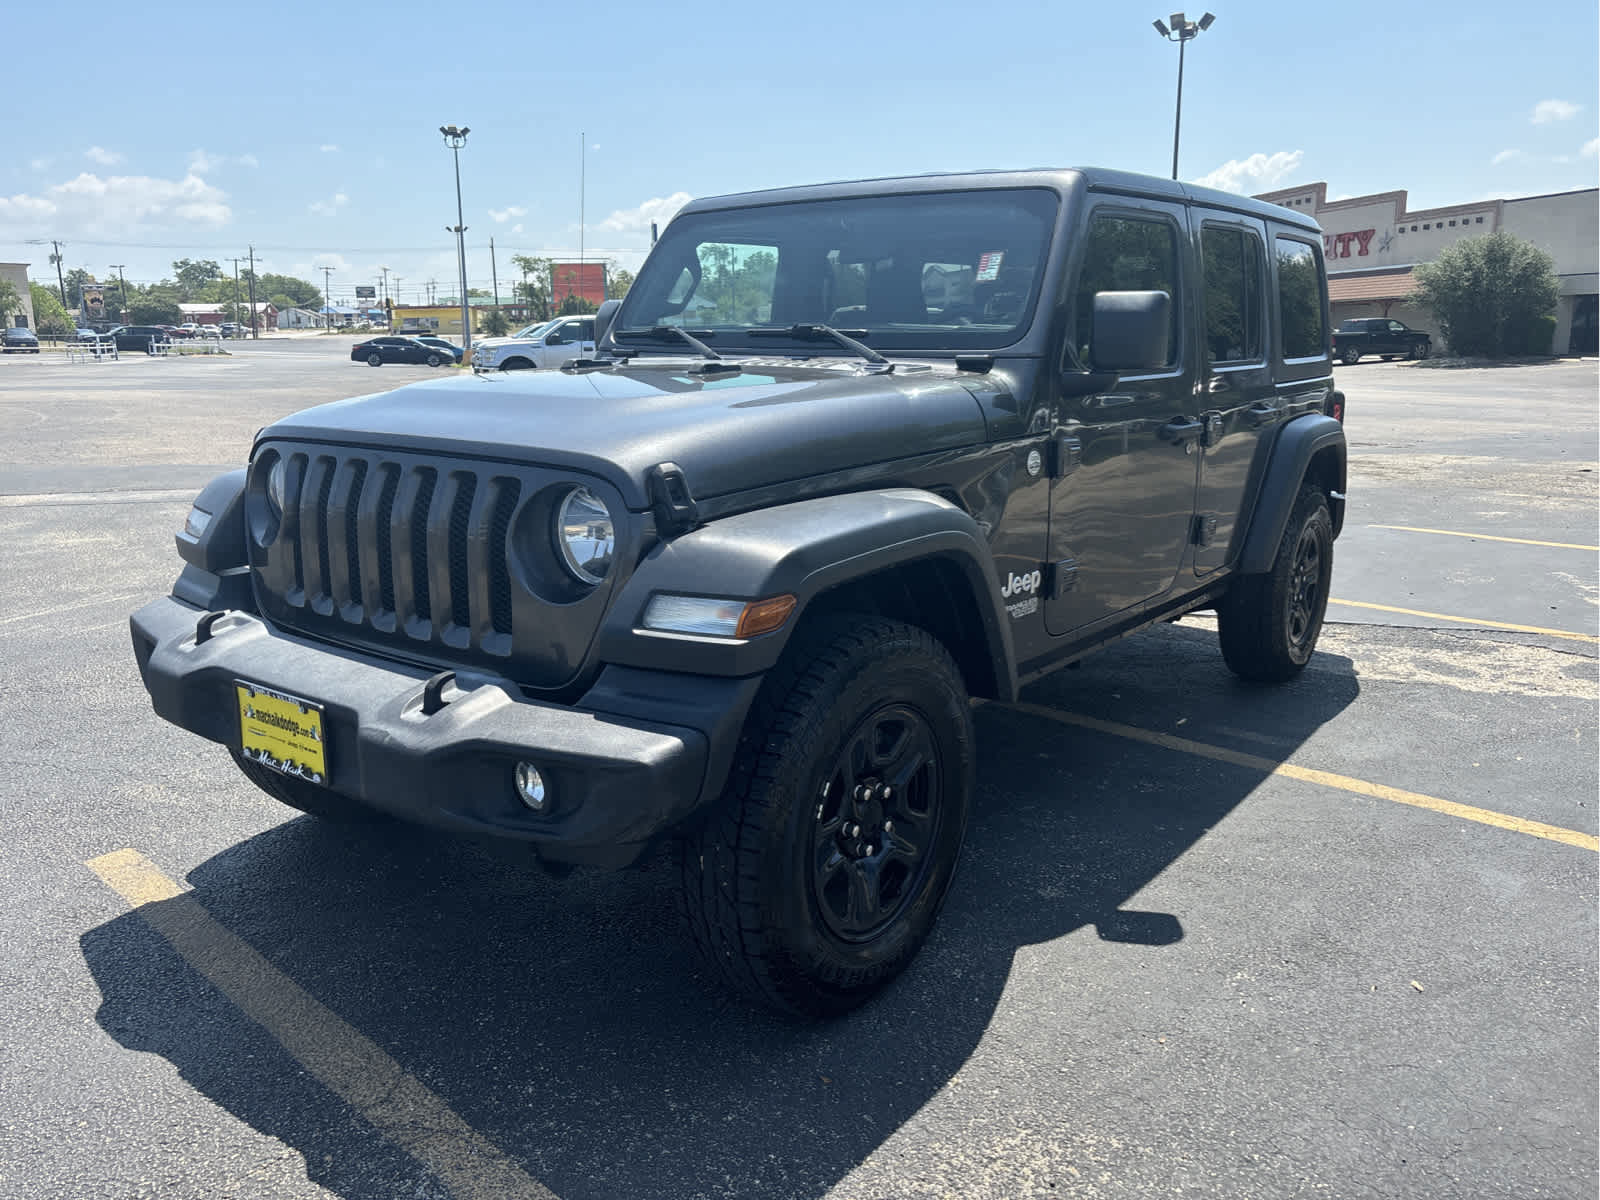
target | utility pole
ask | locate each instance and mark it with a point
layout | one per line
(55, 257)
(397, 289)
(235, 291)
(384, 289)
(494, 274)
(123, 279)
(583, 162)
(254, 332)
(327, 297)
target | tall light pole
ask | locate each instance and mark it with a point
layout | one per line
(455, 139)
(1183, 32)
(123, 280)
(327, 295)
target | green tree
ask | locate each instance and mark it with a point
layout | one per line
(10, 301)
(299, 293)
(494, 324)
(194, 276)
(49, 318)
(618, 281)
(575, 305)
(1491, 294)
(534, 289)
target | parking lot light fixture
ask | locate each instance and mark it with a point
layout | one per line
(1183, 31)
(455, 139)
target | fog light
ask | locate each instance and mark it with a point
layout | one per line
(531, 787)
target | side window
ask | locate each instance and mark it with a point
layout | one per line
(1396, 327)
(1300, 299)
(1233, 293)
(586, 329)
(1127, 254)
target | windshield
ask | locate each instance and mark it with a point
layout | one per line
(533, 331)
(951, 270)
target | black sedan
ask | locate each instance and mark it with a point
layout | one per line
(19, 341)
(449, 347)
(379, 350)
(138, 337)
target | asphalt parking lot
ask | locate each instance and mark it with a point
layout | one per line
(1334, 939)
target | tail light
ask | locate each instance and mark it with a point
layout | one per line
(1335, 406)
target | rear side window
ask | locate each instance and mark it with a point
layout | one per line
(1127, 254)
(1233, 293)
(1300, 299)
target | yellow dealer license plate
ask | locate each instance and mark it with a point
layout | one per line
(282, 732)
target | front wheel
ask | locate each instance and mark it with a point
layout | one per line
(1349, 356)
(516, 364)
(825, 863)
(1269, 623)
(1419, 350)
(374, 360)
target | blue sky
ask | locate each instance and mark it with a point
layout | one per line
(312, 131)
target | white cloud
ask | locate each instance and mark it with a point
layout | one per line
(1258, 173)
(660, 209)
(115, 206)
(106, 158)
(1591, 148)
(1554, 110)
(326, 208)
(502, 215)
(1504, 156)
(328, 148)
(517, 228)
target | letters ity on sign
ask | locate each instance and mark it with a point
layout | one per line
(1337, 245)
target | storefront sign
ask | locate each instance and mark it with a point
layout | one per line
(1337, 245)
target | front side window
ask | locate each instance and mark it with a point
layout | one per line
(958, 270)
(1127, 254)
(1233, 293)
(1300, 299)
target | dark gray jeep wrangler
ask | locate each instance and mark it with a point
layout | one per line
(846, 457)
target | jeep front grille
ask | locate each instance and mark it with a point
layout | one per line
(416, 553)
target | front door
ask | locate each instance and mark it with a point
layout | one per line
(1122, 502)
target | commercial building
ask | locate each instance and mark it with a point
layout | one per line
(16, 274)
(1373, 244)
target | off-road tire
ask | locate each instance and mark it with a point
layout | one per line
(306, 797)
(1269, 623)
(749, 872)
(1349, 356)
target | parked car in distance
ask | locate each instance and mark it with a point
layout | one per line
(208, 331)
(19, 341)
(379, 350)
(138, 337)
(230, 329)
(1379, 335)
(443, 344)
(190, 329)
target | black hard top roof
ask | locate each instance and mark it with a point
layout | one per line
(1095, 179)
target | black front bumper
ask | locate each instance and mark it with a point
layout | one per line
(620, 773)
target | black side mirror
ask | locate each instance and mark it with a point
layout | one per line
(1132, 331)
(603, 317)
(555, 339)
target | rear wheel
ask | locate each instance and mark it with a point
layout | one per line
(374, 359)
(1269, 623)
(306, 797)
(434, 360)
(823, 867)
(1349, 356)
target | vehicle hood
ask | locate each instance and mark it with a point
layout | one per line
(774, 423)
(491, 343)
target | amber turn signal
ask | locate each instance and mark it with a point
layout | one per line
(763, 616)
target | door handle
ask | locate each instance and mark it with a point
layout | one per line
(1219, 383)
(1263, 413)
(1182, 429)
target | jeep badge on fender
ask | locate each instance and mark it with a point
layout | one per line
(727, 579)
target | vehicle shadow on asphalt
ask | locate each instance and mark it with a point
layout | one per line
(566, 1023)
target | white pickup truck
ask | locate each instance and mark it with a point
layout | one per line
(546, 345)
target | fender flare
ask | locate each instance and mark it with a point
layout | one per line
(804, 549)
(1300, 441)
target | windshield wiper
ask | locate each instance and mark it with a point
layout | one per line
(815, 332)
(695, 343)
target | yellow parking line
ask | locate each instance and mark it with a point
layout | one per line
(1414, 612)
(394, 1102)
(1485, 537)
(1345, 783)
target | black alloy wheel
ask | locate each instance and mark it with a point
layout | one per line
(1350, 356)
(374, 359)
(434, 360)
(877, 823)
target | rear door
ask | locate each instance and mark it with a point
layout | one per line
(1239, 401)
(1122, 501)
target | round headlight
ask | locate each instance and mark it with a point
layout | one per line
(278, 485)
(585, 535)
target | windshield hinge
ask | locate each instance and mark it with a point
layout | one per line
(674, 507)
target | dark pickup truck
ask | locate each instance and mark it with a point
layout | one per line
(1379, 335)
(843, 458)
